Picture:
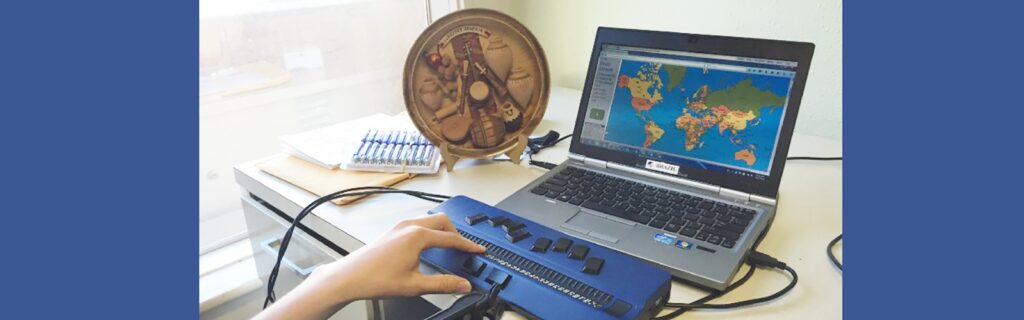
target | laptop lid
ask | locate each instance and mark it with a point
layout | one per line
(719, 110)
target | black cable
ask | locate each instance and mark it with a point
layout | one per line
(754, 301)
(832, 243)
(543, 164)
(755, 259)
(562, 138)
(816, 158)
(832, 256)
(536, 148)
(359, 191)
(710, 296)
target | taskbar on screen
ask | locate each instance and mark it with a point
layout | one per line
(669, 158)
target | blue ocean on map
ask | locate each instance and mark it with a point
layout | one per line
(625, 127)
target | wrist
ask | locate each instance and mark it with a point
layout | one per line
(336, 282)
(314, 298)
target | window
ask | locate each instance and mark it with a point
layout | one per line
(274, 67)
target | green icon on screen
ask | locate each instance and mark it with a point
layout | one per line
(597, 114)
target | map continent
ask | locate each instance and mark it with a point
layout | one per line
(644, 87)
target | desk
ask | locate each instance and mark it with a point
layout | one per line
(809, 215)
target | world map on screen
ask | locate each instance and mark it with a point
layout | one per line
(721, 116)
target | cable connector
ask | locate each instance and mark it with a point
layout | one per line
(543, 164)
(760, 259)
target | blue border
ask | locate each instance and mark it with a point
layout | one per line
(931, 186)
(100, 159)
(100, 135)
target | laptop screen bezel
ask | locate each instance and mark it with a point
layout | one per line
(799, 52)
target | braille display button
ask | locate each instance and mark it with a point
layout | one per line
(472, 220)
(579, 252)
(517, 235)
(562, 245)
(593, 265)
(541, 245)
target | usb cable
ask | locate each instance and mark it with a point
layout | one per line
(755, 259)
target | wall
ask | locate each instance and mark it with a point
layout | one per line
(566, 30)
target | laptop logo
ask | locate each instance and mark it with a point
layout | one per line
(662, 167)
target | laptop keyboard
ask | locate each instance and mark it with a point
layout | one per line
(715, 222)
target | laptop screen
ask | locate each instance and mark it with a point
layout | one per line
(675, 108)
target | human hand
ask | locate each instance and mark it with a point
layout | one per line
(386, 267)
(389, 266)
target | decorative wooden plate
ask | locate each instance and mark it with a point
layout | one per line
(476, 85)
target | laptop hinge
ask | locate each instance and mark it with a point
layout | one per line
(746, 197)
(601, 164)
(730, 193)
(764, 200)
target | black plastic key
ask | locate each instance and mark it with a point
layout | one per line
(541, 245)
(516, 235)
(474, 266)
(593, 265)
(498, 221)
(579, 252)
(512, 226)
(562, 245)
(474, 219)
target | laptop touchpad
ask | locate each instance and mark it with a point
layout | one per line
(597, 226)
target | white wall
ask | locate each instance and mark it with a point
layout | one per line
(566, 30)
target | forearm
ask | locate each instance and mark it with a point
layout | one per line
(388, 267)
(312, 299)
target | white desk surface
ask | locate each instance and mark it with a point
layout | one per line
(809, 215)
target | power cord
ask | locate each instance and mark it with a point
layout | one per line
(351, 192)
(711, 296)
(755, 259)
(831, 244)
(831, 256)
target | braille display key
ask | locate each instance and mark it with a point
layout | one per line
(512, 225)
(474, 219)
(517, 235)
(562, 245)
(498, 221)
(541, 245)
(593, 265)
(578, 252)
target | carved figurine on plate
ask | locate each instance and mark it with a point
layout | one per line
(476, 85)
(431, 94)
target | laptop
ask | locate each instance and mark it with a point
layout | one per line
(678, 149)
